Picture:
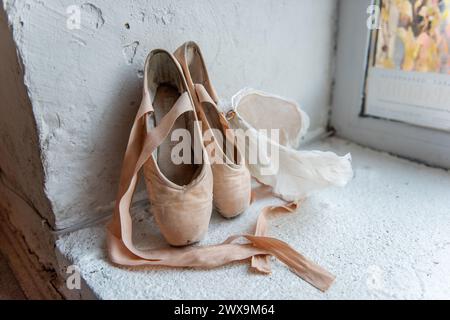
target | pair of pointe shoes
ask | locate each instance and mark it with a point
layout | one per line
(178, 93)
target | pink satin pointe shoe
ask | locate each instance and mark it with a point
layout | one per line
(180, 194)
(232, 180)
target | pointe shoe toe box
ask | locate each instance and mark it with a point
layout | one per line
(232, 190)
(182, 213)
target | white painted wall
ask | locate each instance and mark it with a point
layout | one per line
(84, 85)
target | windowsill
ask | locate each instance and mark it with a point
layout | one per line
(385, 235)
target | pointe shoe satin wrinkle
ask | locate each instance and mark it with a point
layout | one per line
(232, 180)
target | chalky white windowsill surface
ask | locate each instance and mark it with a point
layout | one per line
(385, 236)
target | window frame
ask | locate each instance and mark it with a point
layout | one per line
(422, 144)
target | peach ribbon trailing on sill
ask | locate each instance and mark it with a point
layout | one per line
(259, 248)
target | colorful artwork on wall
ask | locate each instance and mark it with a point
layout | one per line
(414, 35)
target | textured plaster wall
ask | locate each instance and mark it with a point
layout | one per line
(84, 85)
